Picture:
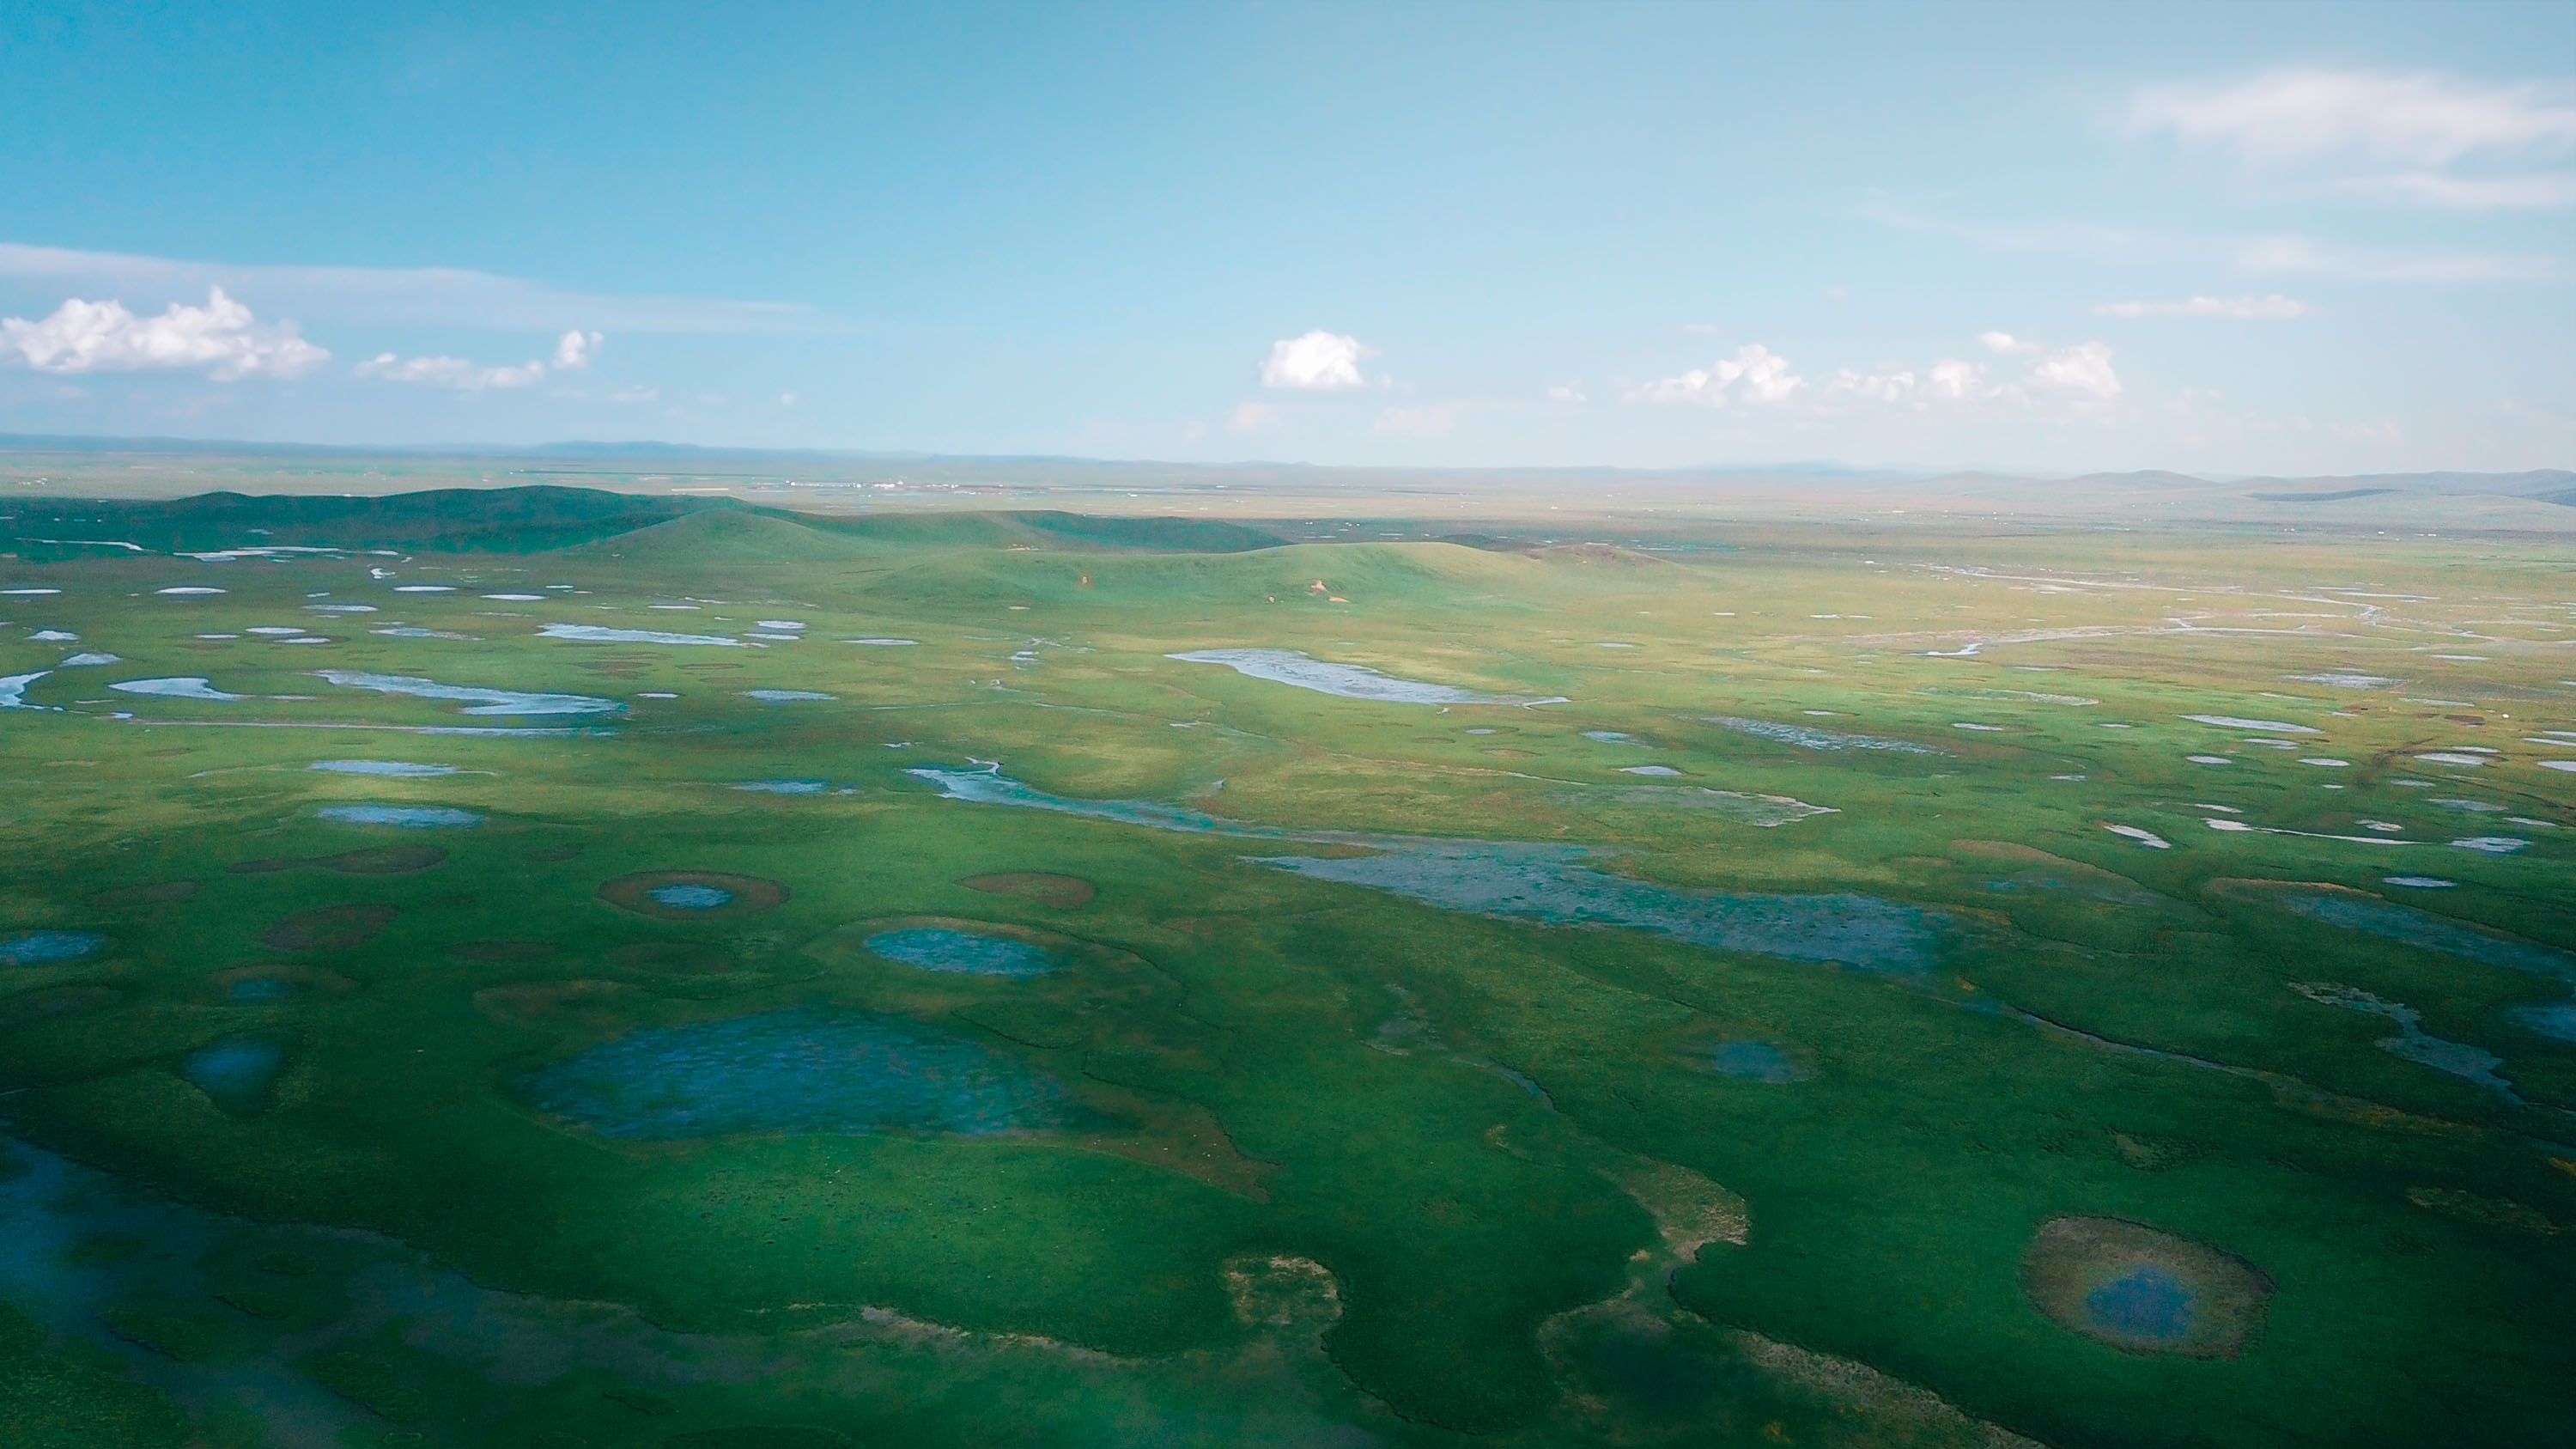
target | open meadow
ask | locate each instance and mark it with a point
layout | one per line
(552, 968)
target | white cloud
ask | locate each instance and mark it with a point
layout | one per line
(1567, 392)
(2301, 255)
(454, 372)
(1755, 374)
(434, 296)
(1953, 380)
(1893, 385)
(2272, 308)
(575, 349)
(2082, 372)
(2258, 254)
(2006, 343)
(2361, 120)
(1252, 417)
(2537, 192)
(1319, 361)
(2419, 119)
(1949, 380)
(222, 336)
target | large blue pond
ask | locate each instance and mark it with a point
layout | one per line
(934, 948)
(809, 1069)
(1757, 1061)
(236, 1072)
(409, 817)
(2143, 1302)
(1530, 880)
(45, 948)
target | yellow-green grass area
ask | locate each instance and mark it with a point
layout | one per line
(1446, 1110)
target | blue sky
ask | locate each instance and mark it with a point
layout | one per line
(2312, 238)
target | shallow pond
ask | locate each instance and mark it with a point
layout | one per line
(808, 1069)
(1808, 737)
(47, 948)
(785, 696)
(2472, 1064)
(1350, 681)
(602, 634)
(784, 787)
(1515, 879)
(479, 700)
(236, 1072)
(1757, 1061)
(691, 896)
(399, 769)
(184, 687)
(1766, 811)
(13, 689)
(2145, 1302)
(935, 948)
(409, 817)
(2424, 929)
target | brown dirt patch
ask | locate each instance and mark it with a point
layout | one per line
(672, 958)
(299, 981)
(329, 928)
(376, 860)
(502, 950)
(159, 893)
(745, 894)
(1064, 892)
(57, 1002)
(559, 1005)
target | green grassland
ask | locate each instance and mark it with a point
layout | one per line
(1331, 1163)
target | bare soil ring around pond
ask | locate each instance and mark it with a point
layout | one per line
(2143, 1291)
(692, 895)
(1064, 892)
(328, 928)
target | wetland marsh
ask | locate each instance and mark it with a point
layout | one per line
(2111, 989)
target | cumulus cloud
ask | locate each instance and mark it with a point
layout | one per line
(575, 349)
(1950, 380)
(2006, 343)
(222, 336)
(1567, 392)
(2424, 123)
(1319, 361)
(451, 372)
(1755, 375)
(2082, 372)
(2272, 308)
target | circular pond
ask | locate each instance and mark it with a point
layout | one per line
(1757, 1061)
(236, 1072)
(799, 1070)
(938, 948)
(2143, 1291)
(691, 895)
